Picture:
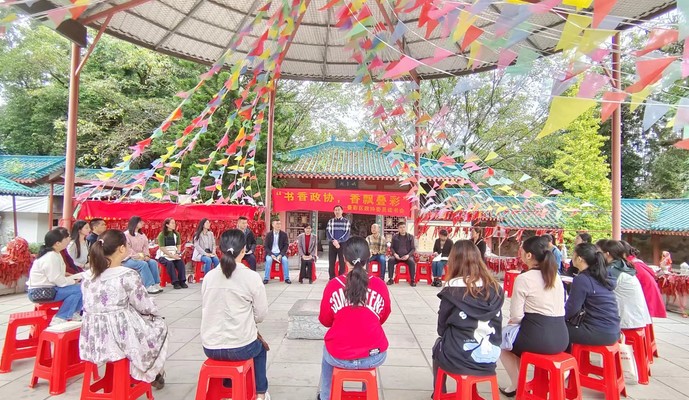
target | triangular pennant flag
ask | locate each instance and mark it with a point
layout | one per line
(464, 21)
(471, 35)
(543, 6)
(491, 156)
(57, 15)
(682, 117)
(638, 98)
(570, 33)
(403, 66)
(591, 84)
(563, 111)
(524, 178)
(653, 112)
(611, 101)
(593, 38)
(650, 72)
(506, 58)
(601, 9)
(577, 3)
(658, 38)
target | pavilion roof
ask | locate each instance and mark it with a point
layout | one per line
(9, 187)
(355, 160)
(30, 169)
(200, 31)
(665, 216)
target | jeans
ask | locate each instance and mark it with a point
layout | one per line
(380, 259)
(438, 267)
(329, 363)
(269, 265)
(208, 261)
(175, 270)
(334, 253)
(253, 350)
(251, 259)
(147, 269)
(411, 265)
(71, 299)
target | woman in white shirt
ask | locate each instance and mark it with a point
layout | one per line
(78, 248)
(233, 301)
(48, 271)
(538, 306)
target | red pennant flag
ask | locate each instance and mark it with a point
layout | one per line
(470, 36)
(659, 37)
(682, 144)
(601, 9)
(611, 100)
(649, 71)
(144, 142)
(329, 5)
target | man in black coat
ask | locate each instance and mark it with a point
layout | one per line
(276, 245)
(250, 248)
(403, 250)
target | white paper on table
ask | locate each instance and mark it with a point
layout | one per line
(439, 258)
(567, 279)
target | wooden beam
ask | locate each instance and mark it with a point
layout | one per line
(112, 10)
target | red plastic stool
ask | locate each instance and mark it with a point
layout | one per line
(276, 271)
(651, 343)
(198, 271)
(444, 272)
(549, 377)
(164, 277)
(423, 271)
(62, 363)
(374, 267)
(313, 271)
(608, 379)
(114, 384)
(213, 372)
(637, 339)
(17, 349)
(367, 376)
(402, 275)
(508, 283)
(50, 308)
(466, 386)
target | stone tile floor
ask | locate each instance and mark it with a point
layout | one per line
(294, 365)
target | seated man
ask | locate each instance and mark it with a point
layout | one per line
(276, 246)
(306, 244)
(249, 257)
(402, 252)
(377, 247)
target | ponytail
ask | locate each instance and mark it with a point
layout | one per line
(232, 243)
(539, 248)
(597, 266)
(51, 238)
(548, 269)
(357, 253)
(106, 245)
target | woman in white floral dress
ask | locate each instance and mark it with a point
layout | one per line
(120, 318)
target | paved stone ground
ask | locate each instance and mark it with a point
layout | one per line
(294, 365)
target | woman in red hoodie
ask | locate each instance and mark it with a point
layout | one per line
(646, 277)
(354, 306)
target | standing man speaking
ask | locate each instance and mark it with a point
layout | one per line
(337, 231)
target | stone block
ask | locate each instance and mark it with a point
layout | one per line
(303, 321)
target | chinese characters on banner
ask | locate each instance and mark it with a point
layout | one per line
(355, 202)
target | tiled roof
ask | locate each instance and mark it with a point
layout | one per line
(119, 179)
(9, 187)
(30, 169)
(655, 215)
(355, 160)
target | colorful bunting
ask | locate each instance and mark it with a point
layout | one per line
(563, 111)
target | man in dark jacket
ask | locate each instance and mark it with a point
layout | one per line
(276, 245)
(403, 250)
(243, 225)
(470, 330)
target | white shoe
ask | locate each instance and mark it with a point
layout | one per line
(153, 290)
(158, 288)
(76, 317)
(267, 396)
(57, 321)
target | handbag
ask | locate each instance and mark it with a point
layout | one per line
(42, 294)
(631, 375)
(577, 319)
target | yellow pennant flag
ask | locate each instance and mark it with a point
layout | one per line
(491, 156)
(563, 111)
(577, 3)
(474, 51)
(593, 38)
(464, 21)
(570, 33)
(639, 97)
(472, 158)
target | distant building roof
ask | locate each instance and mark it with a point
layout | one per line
(665, 216)
(30, 169)
(9, 187)
(355, 160)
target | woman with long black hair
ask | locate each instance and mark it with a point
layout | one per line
(170, 254)
(354, 306)
(233, 301)
(138, 257)
(538, 306)
(204, 246)
(591, 309)
(78, 247)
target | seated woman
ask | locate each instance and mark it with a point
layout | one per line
(78, 248)
(47, 275)
(204, 246)
(646, 276)
(631, 303)
(441, 250)
(470, 317)
(170, 254)
(138, 257)
(354, 306)
(70, 267)
(592, 291)
(233, 301)
(538, 305)
(120, 319)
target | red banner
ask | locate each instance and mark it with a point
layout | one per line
(160, 211)
(352, 201)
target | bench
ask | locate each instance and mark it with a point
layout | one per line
(303, 321)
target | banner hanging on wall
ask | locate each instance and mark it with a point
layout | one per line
(352, 201)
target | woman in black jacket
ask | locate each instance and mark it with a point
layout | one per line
(470, 318)
(441, 249)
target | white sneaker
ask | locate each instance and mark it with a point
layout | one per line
(76, 317)
(57, 321)
(267, 396)
(153, 290)
(158, 288)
